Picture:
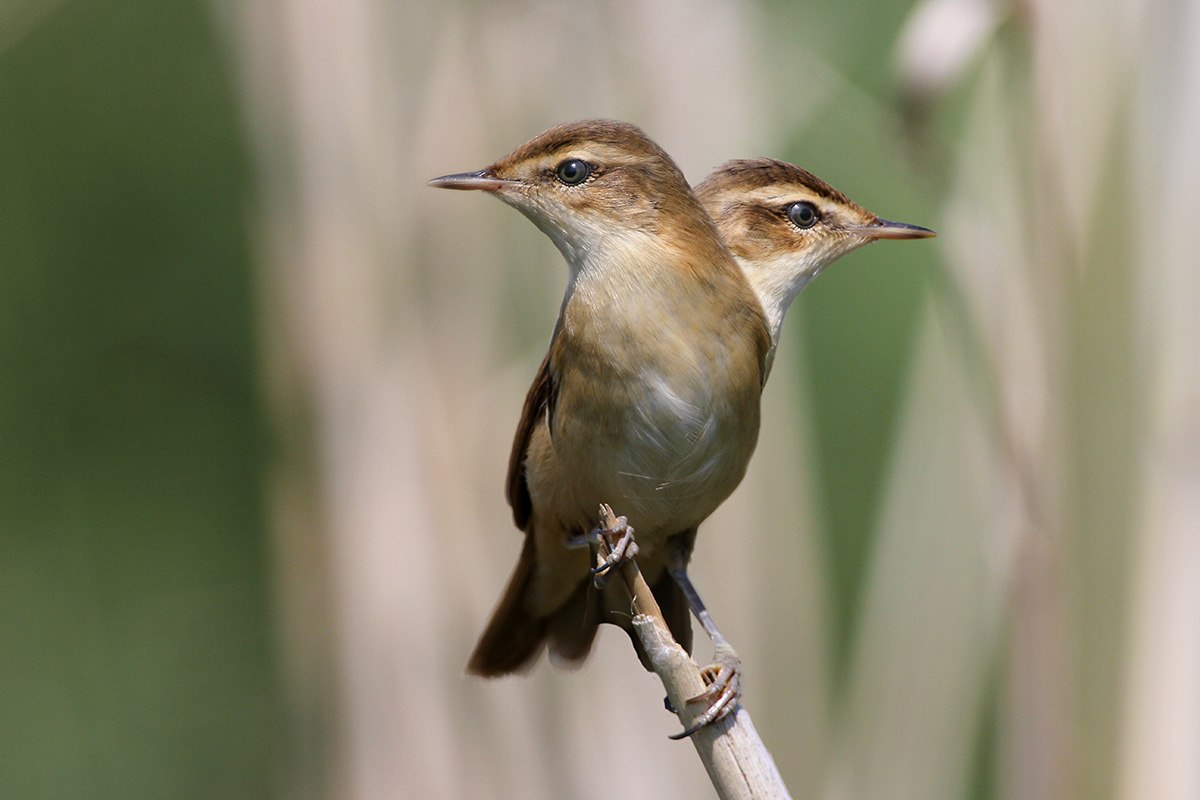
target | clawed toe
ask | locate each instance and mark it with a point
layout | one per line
(617, 533)
(723, 677)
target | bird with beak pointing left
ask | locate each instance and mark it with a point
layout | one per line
(648, 399)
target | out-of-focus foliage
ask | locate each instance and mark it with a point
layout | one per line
(135, 653)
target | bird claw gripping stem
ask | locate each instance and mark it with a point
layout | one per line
(617, 534)
(723, 677)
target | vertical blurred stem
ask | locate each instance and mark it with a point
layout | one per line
(1103, 418)
(1036, 711)
(1161, 712)
(1069, 595)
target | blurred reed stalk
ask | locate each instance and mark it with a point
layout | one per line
(1075, 313)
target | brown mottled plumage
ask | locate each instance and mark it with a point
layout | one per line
(649, 396)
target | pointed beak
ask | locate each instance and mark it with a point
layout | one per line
(484, 179)
(886, 229)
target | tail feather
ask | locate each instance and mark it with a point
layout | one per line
(573, 627)
(675, 609)
(515, 636)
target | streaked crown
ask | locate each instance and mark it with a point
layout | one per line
(584, 181)
(784, 225)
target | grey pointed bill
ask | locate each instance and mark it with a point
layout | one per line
(483, 180)
(886, 229)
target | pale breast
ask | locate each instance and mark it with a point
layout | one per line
(664, 446)
(658, 376)
(678, 433)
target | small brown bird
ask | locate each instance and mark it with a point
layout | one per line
(784, 225)
(648, 398)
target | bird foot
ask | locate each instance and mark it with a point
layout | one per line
(723, 677)
(617, 533)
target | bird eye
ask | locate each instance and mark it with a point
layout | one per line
(803, 214)
(573, 171)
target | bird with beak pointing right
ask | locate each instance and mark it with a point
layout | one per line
(648, 399)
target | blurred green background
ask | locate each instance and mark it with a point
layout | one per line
(137, 656)
(257, 385)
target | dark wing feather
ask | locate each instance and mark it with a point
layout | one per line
(539, 401)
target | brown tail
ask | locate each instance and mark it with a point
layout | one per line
(514, 636)
(675, 610)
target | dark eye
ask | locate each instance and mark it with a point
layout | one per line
(803, 214)
(573, 171)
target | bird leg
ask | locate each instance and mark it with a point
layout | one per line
(617, 533)
(723, 675)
